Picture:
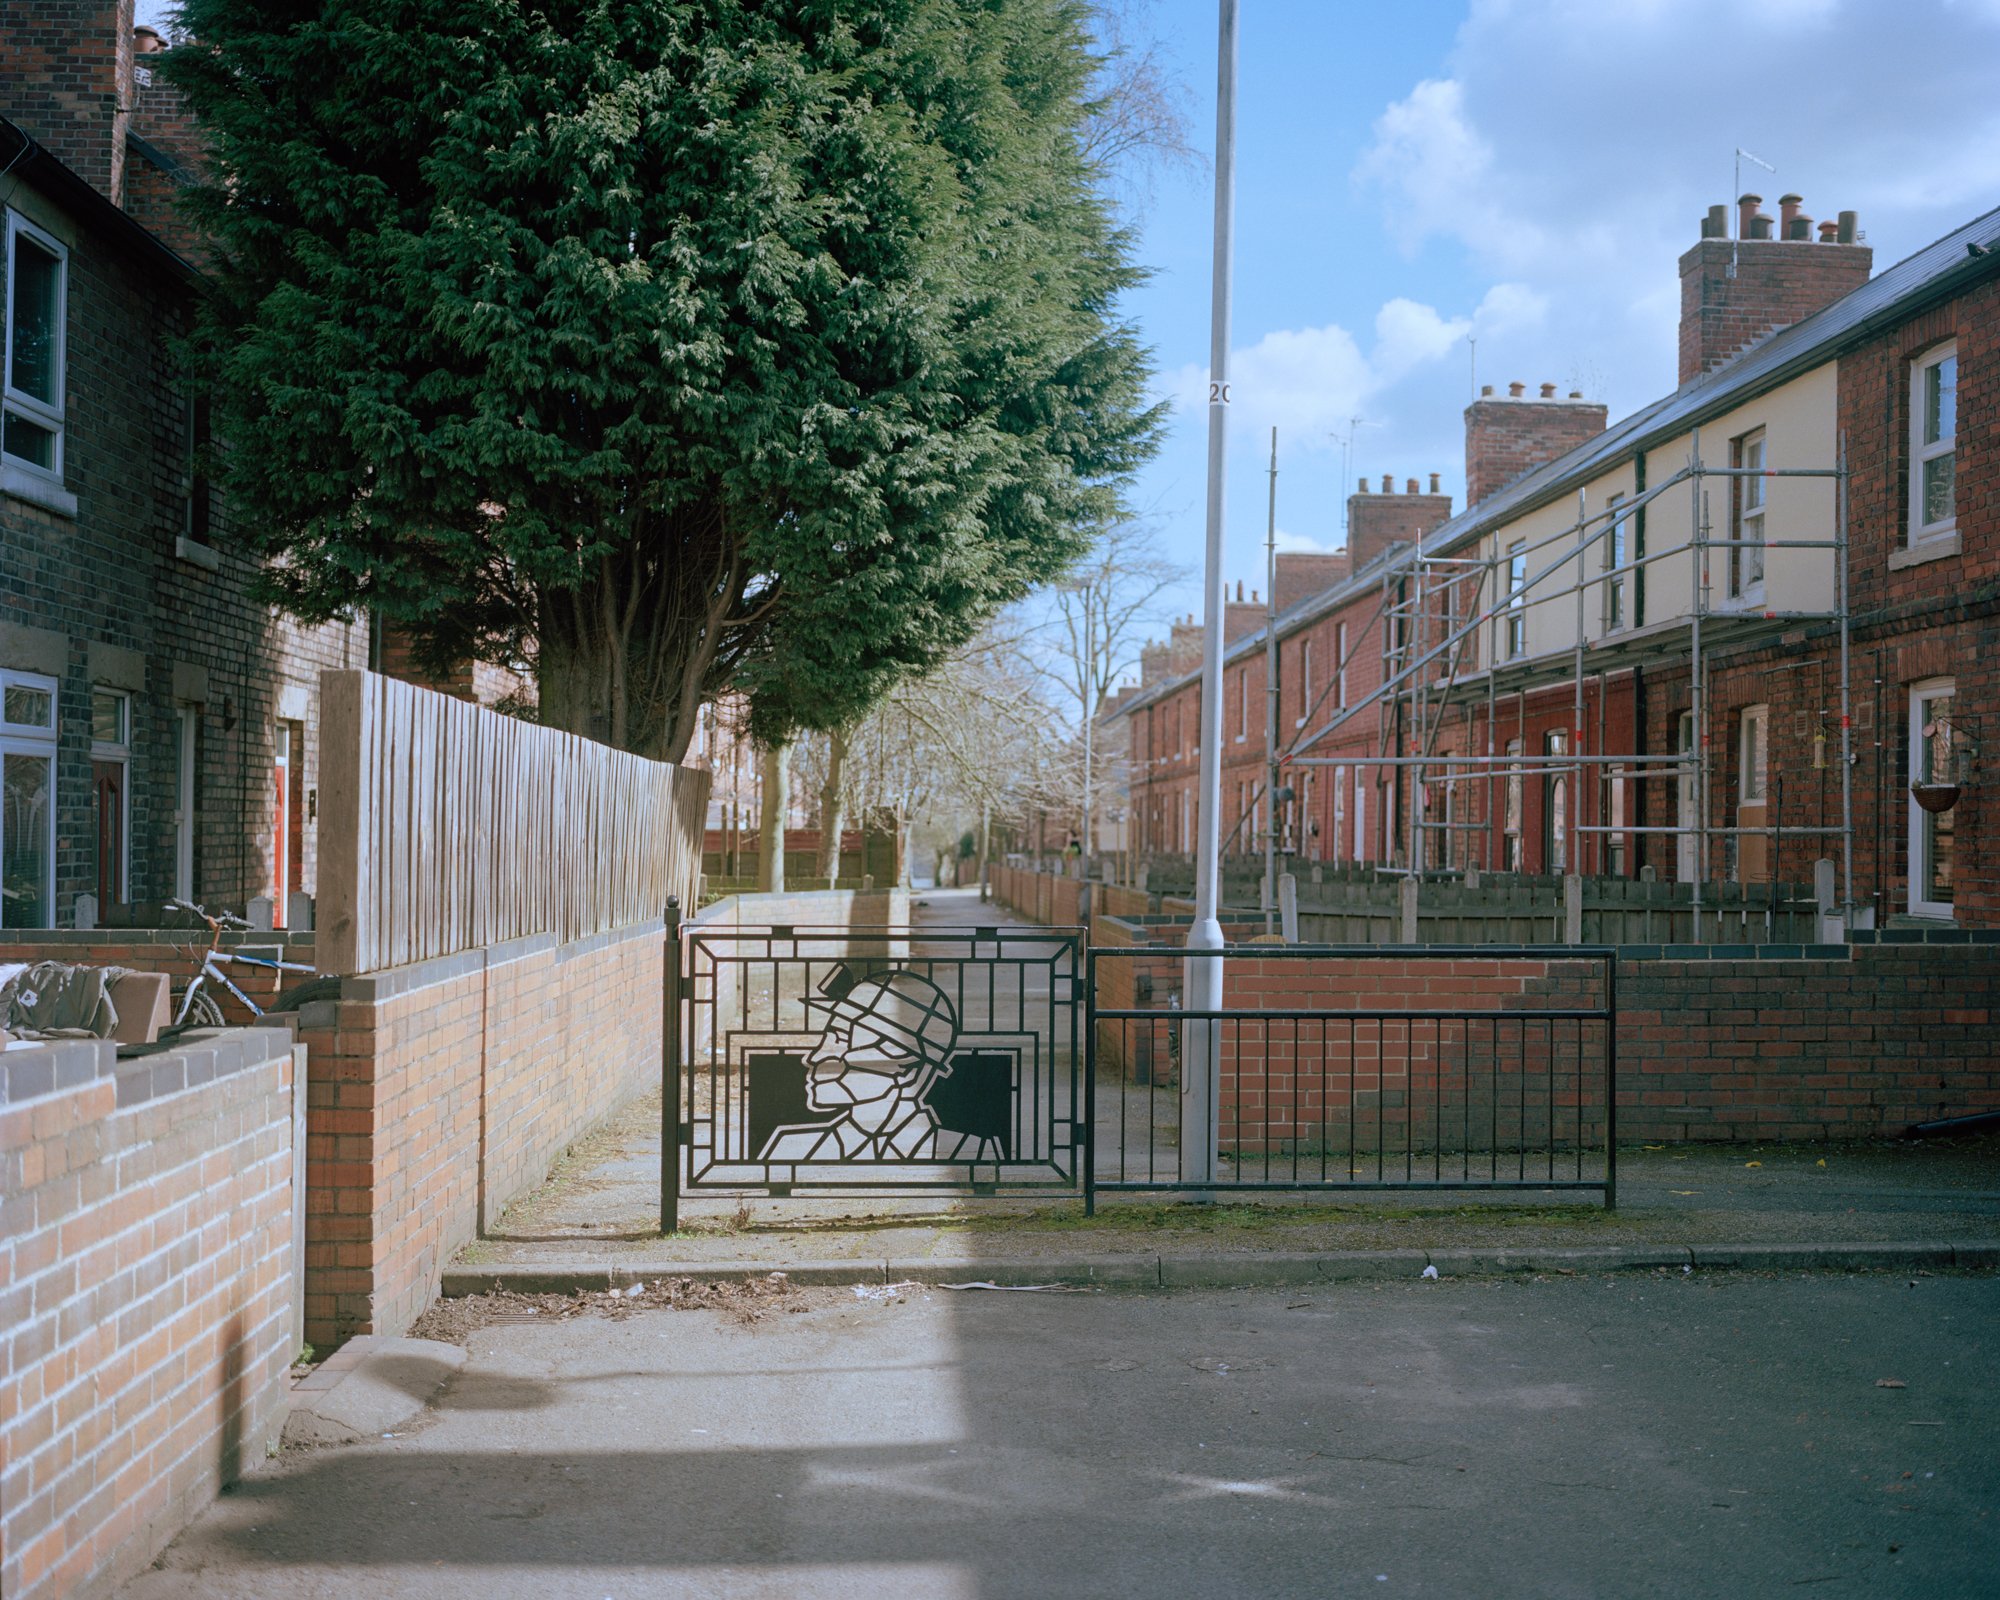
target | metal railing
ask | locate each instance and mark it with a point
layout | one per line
(1337, 1068)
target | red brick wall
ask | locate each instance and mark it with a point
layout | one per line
(440, 1093)
(1777, 282)
(1508, 436)
(1376, 521)
(148, 1292)
(65, 73)
(1756, 1050)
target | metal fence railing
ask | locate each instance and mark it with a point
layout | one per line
(1337, 1068)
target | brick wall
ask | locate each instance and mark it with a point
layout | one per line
(147, 1292)
(64, 76)
(177, 954)
(440, 1093)
(1507, 436)
(1776, 282)
(108, 598)
(1377, 520)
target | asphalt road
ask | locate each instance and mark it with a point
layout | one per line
(1681, 1435)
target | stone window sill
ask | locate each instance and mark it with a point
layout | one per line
(198, 555)
(36, 490)
(1916, 555)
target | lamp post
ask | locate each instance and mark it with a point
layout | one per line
(1201, 1075)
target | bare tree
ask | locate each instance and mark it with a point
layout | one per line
(1140, 111)
(1097, 621)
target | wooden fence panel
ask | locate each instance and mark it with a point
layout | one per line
(444, 826)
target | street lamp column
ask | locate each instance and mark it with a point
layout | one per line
(1201, 1077)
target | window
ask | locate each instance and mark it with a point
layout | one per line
(1753, 754)
(1932, 857)
(1517, 598)
(1555, 807)
(1305, 682)
(195, 523)
(27, 800)
(1242, 705)
(1340, 667)
(1618, 862)
(1746, 521)
(31, 404)
(1339, 811)
(111, 792)
(1510, 825)
(1934, 444)
(1617, 558)
(187, 757)
(1360, 815)
(1687, 800)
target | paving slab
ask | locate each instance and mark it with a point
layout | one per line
(369, 1387)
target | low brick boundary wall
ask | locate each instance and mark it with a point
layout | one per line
(441, 1092)
(176, 952)
(148, 1295)
(1786, 1042)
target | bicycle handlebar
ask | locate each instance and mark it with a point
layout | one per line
(219, 919)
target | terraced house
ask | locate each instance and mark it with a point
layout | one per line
(1746, 629)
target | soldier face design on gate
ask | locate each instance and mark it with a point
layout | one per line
(883, 1043)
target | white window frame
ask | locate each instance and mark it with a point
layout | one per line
(1617, 566)
(1753, 755)
(1340, 666)
(29, 407)
(118, 753)
(1922, 453)
(187, 743)
(1513, 810)
(1749, 508)
(1515, 621)
(30, 739)
(1921, 694)
(1305, 681)
(1242, 705)
(1360, 814)
(1339, 811)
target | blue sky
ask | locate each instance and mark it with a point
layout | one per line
(1523, 171)
(1526, 171)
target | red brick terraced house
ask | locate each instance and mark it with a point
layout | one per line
(1748, 628)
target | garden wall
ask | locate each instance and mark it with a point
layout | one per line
(148, 1294)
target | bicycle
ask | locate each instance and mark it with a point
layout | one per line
(195, 1007)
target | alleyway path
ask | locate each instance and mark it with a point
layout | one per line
(1661, 1434)
(601, 1207)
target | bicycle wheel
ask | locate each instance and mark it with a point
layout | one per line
(204, 1013)
(301, 994)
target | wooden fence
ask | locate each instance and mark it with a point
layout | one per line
(444, 827)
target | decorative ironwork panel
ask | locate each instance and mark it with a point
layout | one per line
(881, 1059)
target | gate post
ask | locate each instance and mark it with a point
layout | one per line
(1089, 1077)
(670, 1070)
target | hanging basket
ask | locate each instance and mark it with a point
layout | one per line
(1935, 796)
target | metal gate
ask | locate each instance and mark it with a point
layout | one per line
(877, 1060)
(982, 1060)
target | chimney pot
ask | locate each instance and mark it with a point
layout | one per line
(1516, 390)
(1239, 589)
(1548, 391)
(1746, 208)
(1799, 228)
(1361, 487)
(1760, 226)
(1716, 224)
(1576, 394)
(1850, 227)
(1388, 484)
(1434, 483)
(1254, 598)
(1788, 209)
(146, 40)
(1827, 230)
(1485, 391)
(1410, 486)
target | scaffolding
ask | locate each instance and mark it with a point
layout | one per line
(1435, 608)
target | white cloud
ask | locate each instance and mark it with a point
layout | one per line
(1568, 148)
(1290, 543)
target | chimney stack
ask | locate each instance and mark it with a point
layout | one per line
(1302, 574)
(1376, 521)
(1737, 292)
(1506, 438)
(66, 78)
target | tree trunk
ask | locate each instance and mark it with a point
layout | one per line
(832, 812)
(902, 849)
(777, 802)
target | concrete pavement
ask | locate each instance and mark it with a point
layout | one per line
(1680, 1434)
